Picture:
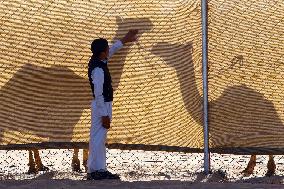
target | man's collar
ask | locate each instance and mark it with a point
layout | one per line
(104, 61)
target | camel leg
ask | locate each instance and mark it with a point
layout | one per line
(85, 158)
(31, 164)
(250, 167)
(39, 165)
(75, 161)
(270, 166)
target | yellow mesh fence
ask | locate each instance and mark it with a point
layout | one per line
(45, 48)
(246, 80)
(45, 94)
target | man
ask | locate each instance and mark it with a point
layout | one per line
(101, 106)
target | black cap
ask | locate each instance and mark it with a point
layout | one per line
(98, 46)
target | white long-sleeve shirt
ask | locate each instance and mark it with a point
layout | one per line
(98, 81)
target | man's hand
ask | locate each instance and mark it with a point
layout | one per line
(106, 122)
(130, 36)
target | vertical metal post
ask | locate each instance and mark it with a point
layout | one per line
(204, 13)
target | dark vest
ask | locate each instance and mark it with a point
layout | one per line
(107, 87)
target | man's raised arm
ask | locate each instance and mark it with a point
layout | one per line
(129, 37)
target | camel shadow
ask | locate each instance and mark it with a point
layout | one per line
(240, 117)
(179, 57)
(117, 61)
(47, 102)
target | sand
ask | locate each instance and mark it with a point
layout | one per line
(140, 169)
(66, 184)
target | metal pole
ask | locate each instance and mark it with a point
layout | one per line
(205, 86)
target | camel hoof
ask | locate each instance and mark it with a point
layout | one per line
(271, 167)
(86, 169)
(43, 168)
(247, 172)
(76, 168)
(85, 166)
(270, 173)
(32, 171)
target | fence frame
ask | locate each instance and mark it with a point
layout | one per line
(204, 15)
(206, 150)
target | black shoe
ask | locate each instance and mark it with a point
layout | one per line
(94, 176)
(89, 177)
(109, 175)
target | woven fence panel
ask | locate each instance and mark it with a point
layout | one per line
(45, 48)
(246, 78)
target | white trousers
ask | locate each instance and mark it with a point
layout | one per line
(98, 134)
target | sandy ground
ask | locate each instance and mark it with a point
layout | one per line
(140, 169)
(66, 184)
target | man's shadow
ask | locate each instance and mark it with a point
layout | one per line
(241, 116)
